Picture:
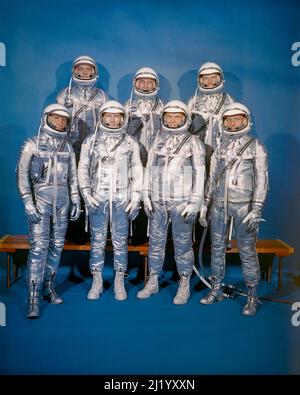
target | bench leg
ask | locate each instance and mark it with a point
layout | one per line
(145, 268)
(8, 270)
(279, 285)
(15, 271)
(269, 273)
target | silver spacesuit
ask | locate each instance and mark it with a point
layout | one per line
(206, 106)
(172, 192)
(144, 122)
(47, 183)
(236, 191)
(110, 178)
(144, 109)
(84, 100)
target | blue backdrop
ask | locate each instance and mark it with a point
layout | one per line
(251, 40)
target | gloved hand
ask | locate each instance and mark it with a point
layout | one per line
(148, 207)
(32, 213)
(133, 210)
(190, 212)
(90, 202)
(253, 219)
(203, 213)
(75, 211)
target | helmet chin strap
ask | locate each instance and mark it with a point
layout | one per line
(145, 95)
(209, 87)
(56, 128)
(217, 87)
(112, 128)
(88, 83)
(145, 90)
(85, 79)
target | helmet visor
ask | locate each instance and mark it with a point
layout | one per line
(145, 85)
(58, 122)
(84, 71)
(210, 81)
(235, 123)
(113, 119)
(174, 120)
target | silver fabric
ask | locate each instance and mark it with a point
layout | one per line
(246, 242)
(181, 234)
(107, 175)
(247, 181)
(99, 220)
(49, 292)
(33, 300)
(172, 176)
(173, 180)
(112, 178)
(84, 103)
(205, 110)
(47, 183)
(235, 193)
(144, 122)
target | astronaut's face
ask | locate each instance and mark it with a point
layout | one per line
(209, 81)
(235, 123)
(174, 119)
(58, 122)
(145, 85)
(113, 120)
(84, 71)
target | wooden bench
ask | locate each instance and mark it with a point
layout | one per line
(10, 244)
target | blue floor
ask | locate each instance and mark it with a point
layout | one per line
(148, 336)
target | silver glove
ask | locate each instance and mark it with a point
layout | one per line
(133, 210)
(253, 219)
(190, 212)
(75, 211)
(32, 213)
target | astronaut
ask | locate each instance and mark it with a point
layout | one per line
(144, 108)
(206, 106)
(110, 178)
(47, 184)
(236, 190)
(84, 100)
(173, 191)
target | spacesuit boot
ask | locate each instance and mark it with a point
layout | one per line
(97, 286)
(150, 288)
(119, 288)
(49, 293)
(33, 300)
(251, 304)
(183, 293)
(215, 294)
